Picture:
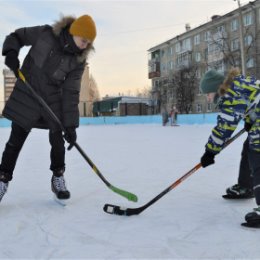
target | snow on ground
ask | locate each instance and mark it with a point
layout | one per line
(191, 221)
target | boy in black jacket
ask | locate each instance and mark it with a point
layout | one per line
(53, 66)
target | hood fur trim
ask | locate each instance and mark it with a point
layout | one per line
(62, 23)
(234, 72)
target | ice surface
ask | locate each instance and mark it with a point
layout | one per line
(191, 221)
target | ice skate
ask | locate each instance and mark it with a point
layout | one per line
(238, 192)
(58, 186)
(3, 189)
(252, 218)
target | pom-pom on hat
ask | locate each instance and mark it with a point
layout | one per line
(85, 27)
(211, 81)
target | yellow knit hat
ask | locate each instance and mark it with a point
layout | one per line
(85, 27)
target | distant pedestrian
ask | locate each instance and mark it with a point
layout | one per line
(165, 117)
(173, 116)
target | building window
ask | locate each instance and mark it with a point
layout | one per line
(170, 65)
(221, 29)
(250, 63)
(237, 62)
(162, 53)
(247, 19)
(170, 51)
(164, 67)
(199, 108)
(235, 44)
(209, 107)
(183, 59)
(218, 66)
(178, 47)
(197, 57)
(248, 40)
(234, 25)
(206, 53)
(186, 44)
(206, 36)
(216, 46)
(197, 39)
(198, 75)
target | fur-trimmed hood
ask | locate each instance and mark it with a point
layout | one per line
(66, 21)
(233, 72)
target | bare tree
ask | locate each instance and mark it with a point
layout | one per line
(185, 82)
(224, 49)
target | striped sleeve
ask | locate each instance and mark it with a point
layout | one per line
(232, 109)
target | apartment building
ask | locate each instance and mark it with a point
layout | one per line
(176, 65)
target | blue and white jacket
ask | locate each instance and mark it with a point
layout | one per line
(241, 100)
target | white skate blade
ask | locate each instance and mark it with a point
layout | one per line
(60, 201)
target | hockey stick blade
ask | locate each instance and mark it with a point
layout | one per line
(130, 196)
(121, 211)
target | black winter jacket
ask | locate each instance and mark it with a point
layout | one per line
(53, 67)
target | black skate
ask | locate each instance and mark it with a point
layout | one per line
(238, 192)
(3, 189)
(252, 219)
(3, 184)
(58, 185)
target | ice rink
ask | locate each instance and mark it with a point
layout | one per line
(192, 221)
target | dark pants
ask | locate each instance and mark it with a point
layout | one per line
(254, 160)
(245, 178)
(15, 143)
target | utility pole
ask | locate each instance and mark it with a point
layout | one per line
(241, 38)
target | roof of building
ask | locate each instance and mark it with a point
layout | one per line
(111, 103)
(214, 19)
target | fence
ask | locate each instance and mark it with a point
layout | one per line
(209, 118)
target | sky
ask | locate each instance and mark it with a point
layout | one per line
(192, 221)
(125, 31)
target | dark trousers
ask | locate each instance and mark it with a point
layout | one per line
(254, 160)
(245, 178)
(15, 143)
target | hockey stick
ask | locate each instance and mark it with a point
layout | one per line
(117, 210)
(130, 196)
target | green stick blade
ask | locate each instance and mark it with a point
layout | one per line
(130, 196)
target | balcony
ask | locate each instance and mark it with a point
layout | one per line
(154, 74)
(184, 59)
(154, 69)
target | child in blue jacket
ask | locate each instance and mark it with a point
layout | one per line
(239, 99)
